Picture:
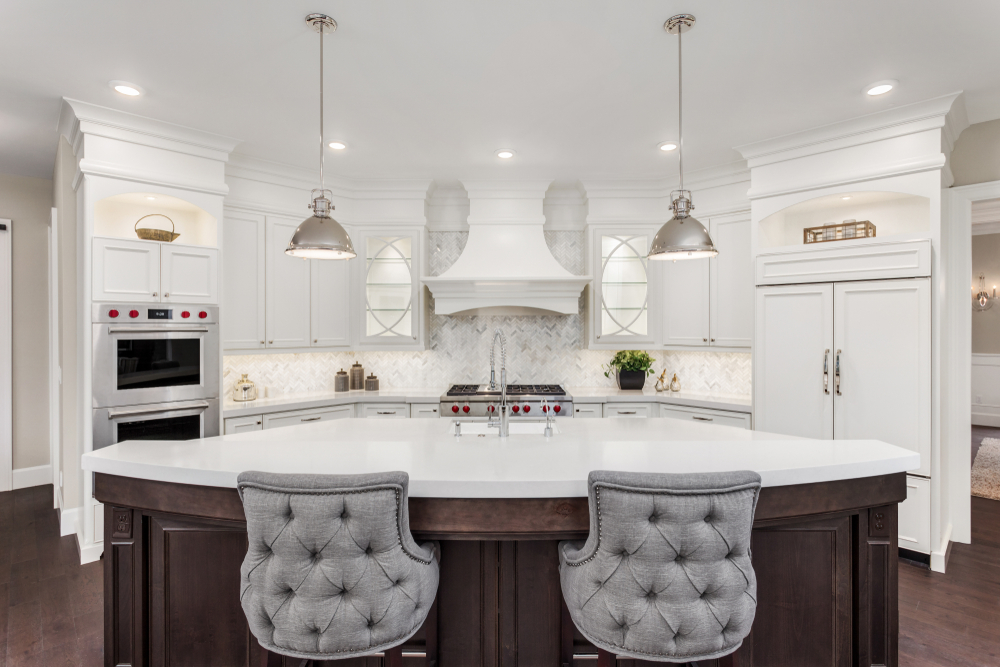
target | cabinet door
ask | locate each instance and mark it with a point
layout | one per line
(629, 410)
(385, 410)
(622, 295)
(287, 289)
(792, 347)
(243, 276)
(189, 274)
(686, 312)
(244, 424)
(915, 516)
(389, 294)
(731, 278)
(127, 271)
(331, 298)
(882, 345)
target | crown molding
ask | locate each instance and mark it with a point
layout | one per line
(79, 118)
(985, 212)
(946, 112)
(87, 167)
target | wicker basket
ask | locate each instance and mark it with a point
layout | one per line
(149, 234)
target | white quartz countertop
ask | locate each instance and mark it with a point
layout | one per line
(321, 399)
(520, 466)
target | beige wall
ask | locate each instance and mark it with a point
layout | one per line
(986, 325)
(976, 156)
(28, 203)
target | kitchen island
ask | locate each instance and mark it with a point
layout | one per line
(824, 544)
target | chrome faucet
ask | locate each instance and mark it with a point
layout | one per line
(504, 417)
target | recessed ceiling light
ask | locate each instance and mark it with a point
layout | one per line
(881, 87)
(337, 145)
(126, 88)
(846, 197)
(151, 198)
(505, 153)
(668, 146)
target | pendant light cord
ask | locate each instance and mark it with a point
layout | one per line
(322, 153)
(680, 105)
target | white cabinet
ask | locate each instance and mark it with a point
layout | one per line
(423, 411)
(287, 297)
(625, 301)
(629, 410)
(588, 410)
(384, 410)
(710, 302)
(189, 274)
(243, 274)
(330, 309)
(388, 299)
(706, 416)
(915, 515)
(243, 424)
(152, 272)
(312, 415)
(127, 271)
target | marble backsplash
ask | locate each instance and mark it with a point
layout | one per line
(547, 348)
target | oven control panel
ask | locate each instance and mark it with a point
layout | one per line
(145, 313)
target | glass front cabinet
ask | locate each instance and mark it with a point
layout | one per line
(389, 295)
(623, 295)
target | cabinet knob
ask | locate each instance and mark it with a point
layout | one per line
(315, 340)
(261, 342)
(166, 294)
(270, 342)
(705, 340)
(154, 293)
(713, 340)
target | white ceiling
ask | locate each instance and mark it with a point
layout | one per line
(579, 88)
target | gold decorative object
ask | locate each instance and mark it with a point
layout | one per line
(357, 376)
(662, 383)
(848, 229)
(341, 382)
(371, 383)
(675, 384)
(244, 390)
(150, 234)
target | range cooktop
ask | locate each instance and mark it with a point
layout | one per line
(512, 390)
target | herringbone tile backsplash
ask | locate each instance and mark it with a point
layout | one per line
(547, 348)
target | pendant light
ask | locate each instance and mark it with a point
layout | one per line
(681, 237)
(320, 236)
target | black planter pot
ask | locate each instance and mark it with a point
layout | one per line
(631, 379)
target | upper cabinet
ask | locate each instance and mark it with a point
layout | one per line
(330, 294)
(286, 280)
(243, 281)
(621, 298)
(390, 297)
(152, 272)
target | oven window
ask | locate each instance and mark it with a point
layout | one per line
(171, 428)
(163, 362)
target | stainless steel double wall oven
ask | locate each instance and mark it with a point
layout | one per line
(156, 372)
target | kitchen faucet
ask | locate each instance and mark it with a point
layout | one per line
(504, 417)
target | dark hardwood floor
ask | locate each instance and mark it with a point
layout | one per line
(51, 606)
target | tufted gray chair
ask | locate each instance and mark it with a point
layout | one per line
(331, 570)
(665, 574)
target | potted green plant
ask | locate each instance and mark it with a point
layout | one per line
(630, 368)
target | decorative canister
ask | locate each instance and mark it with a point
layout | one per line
(357, 376)
(675, 384)
(340, 381)
(371, 383)
(244, 390)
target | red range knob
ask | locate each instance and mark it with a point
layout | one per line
(112, 313)
(133, 313)
(465, 408)
(557, 408)
(454, 408)
(545, 408)
(186, 314)
(203, 314)
(516, 409)
(527, 408)
(491, 409)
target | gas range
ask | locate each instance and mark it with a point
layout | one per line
(478, 401)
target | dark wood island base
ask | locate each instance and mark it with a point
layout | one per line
(824, 554)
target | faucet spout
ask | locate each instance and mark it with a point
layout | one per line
(504, 416)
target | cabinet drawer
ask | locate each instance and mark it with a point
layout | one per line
(702, 415)
(384, 410)
(915, 516)
(296, 417)
(244, 424)
(626, 410)
(423, 411)
(589, 410)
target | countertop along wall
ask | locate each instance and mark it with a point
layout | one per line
(547, 348)
(27, 202)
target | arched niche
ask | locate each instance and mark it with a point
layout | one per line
(116, 216)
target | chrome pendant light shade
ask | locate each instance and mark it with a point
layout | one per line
(681, 237)
(320, 236)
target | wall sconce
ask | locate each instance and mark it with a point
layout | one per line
(982, 300)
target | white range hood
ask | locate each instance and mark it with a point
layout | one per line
(506, 266)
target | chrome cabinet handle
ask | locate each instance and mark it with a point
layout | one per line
(128, 412)
(836, 374)
(310, 419)
(703, 419)
(626, 412)
(826, 371)
(385, 412)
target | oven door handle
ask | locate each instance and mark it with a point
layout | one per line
(127, 412)
(155, 329)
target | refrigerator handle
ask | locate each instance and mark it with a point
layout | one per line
(836, 374)
(826, 371)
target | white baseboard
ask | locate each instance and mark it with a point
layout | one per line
(984, 419)
(68, 521)
(89, 553)
(37, 476)
(939, 558)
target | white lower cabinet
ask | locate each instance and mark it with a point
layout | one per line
(424, 411)
(384, 410)
(243, 424)
(915, 516)
(296, 417)
(702, 415)
(588, 410)
(634, 410)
